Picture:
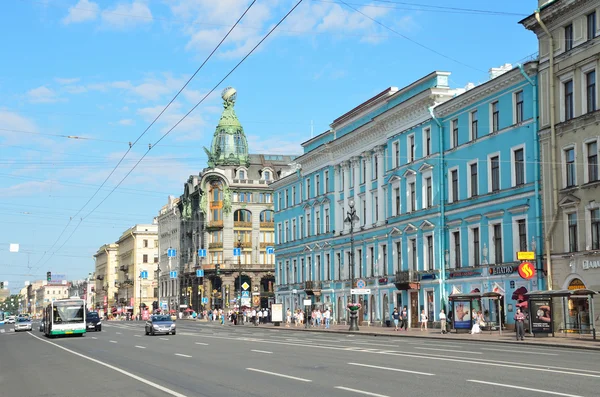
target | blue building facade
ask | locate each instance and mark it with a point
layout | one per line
(444, 183)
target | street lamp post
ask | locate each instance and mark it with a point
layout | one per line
(239, 315)
(351, 217)
(140, 306)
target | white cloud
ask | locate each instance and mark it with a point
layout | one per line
(275, 145)
(127, 15)
(66, 81)
(193, 124)
(83, 11)
(126, 122)
(42, 94)
(26, 189)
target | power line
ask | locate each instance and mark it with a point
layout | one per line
(461, 10)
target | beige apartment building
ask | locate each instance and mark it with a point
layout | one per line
(107, 272)
(569, 131)
(49, 292)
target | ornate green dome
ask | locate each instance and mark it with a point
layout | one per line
(229, 144)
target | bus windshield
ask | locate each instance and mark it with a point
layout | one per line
(68, 312)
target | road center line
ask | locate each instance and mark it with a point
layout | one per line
(138, 336)
(140, 347)
(519, 351)
(391, 369)
(261, 351)
(447, 350)
(524, 388)
(366, 393)
(118, 333)
(280, 375)
(164, 338)
(183, 355)
(129, 374)
(93, 337)
(113, 341)
(203, 344)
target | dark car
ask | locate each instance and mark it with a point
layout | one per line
(93, 322)
(160, 324)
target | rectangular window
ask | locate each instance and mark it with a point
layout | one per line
(428, 192)
(360, 263)
(427, 142)
(568, 87)
(287, 198)
(301, 227)
(384, 263)
(569, 37)
(495, 171)
(307, 188)
(454, 142)
(364, 172)
(429, 252)
(570, 166)
(522, 228)
(572, 218)
(326, 220)
(519, 167)
(591, 25)
(454, 177)
(456, 239)
(308, 226)
(317, 185)
(145, 243)
(293, 195)
(474, 132)
(398, 256)
(498, 243)
(519, 106)
(397, 154)
(413, 253)
(326, 181)
(473, 181)
(476, 255)
(294, 231)
(495, 116)
(590, 91)
(318, 221)
(592, 161)
(595, 218)
(145, 258)
(413, 197)
(372, 260)
(411, 148)
(397, 200)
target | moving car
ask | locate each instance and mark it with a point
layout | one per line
(42, 326)
(23, 324)
(93, 322)
(10, 320)
(160, 324)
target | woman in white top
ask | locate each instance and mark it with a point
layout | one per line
(423, 320)
(476, 320)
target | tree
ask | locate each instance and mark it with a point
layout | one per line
(11, 304)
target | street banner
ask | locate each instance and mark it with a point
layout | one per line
(541, 316)
(277, 312)
(462, 315)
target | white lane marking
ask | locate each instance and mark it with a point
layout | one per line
(280, 375)
(117, 369)
(519, 351)
(113, 341)
(524, 388)
(138, 336)
(261, 351)
(366, 393)
(447, 350)
(426, 356)
(118, 333)
(140, 347)
(93, 337)
(164, 338)
(202, 344)
(182, 355)
(391, 369)
(2, 331)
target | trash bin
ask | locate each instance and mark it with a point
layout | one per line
(388, 323)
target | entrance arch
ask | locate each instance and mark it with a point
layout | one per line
(385, 309)
(215, 292)
(341, 310)
(267, 292)
(372, 310)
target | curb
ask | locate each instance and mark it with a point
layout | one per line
(529, 343)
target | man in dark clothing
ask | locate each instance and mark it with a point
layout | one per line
(520, 324)
(404, 318)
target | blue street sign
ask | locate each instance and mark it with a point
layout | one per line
(270, 250)
(173, 274)
(245, 294)
(171, 252)
(204, 301)
(199, 273)
(202, 253)
(237, 252)
(144, 274)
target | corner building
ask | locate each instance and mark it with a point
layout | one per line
(443, 183)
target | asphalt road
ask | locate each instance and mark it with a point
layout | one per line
(213, 360)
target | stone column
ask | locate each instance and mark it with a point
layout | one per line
(355, 161)
(368, 171)
(339, 215)
(346, 171)
(380, 150)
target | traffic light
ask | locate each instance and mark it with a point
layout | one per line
(218, 269)
(48, 276)
(1, 284)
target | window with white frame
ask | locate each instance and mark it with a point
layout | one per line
(359, 262)
(337, 271)
(318, 221)
(279, 233)
(374, 158)
(412, 255)
(474, 246)
(428, 191)
(412, 193)
(495, 113)
(474, 133)
(496, 245)
(473, 185)
(595, 228)
(317, 185)
(241, 174)
(384, 259)
(494, 173)
(591, 160)
(293, 195)
(326, 174)
(286, 234)
(453, 185)
(411, 148)
(372, 270)
(363, 211)
(326, 214)
(519, 234)
(301, 228)
(309, 231)
(568, 104)
(267, 175)
(518, 166)
(454, 136)
(519, 109)
(397, 256)
(570, 177)
(327, 269)
(376, 201)
(429, 256)
(396, 158)
(589, 81)
(455, 250)
(397, 199)
(363, 177)
(294, 230)
(572, 232)
(307, 188)
(568, 31)
(426, 142)
(591, 25)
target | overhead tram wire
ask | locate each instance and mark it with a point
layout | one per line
(131, 145)
(456, 9)
(408, 38)
(189, 112)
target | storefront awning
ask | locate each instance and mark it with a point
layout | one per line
(465, 297)
(560, 293)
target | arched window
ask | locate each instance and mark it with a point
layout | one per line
(267, 216)
(241, 174)
(242, 216)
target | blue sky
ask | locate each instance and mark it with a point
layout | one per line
(102, 70)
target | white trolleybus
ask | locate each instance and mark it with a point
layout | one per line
(65, 317)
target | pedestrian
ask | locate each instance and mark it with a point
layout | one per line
(404, 318)
(288, 318)
(443, 321)
(396, 318)
(423, 320)
(327, 316)
(520, 324)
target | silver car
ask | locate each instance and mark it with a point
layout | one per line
(160, 324)
(23, 324)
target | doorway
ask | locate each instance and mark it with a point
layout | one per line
(372, 310)
(385, 309)
(414, 309)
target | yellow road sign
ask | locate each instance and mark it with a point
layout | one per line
(525, 255)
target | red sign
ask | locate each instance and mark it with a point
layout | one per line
(526, 270)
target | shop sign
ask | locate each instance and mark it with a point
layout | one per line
(501, 270)
(428, 276)
(465, 273)
(526, 270)
(586, 265)
(383, 281)
(541, 316)
(576, 284)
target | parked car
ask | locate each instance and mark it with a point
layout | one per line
(160, 324)
(23, 324)
(93, 322)
(10, 320)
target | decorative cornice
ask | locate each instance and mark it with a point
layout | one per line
(395, 232)
(473, 218)
(409, 172)
(425, 167)
(410, 228)
(454, 223)
(426, 225)
(569, 201)
(494, 214)
(519, 209)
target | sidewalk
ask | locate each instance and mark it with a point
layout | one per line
(572, 341)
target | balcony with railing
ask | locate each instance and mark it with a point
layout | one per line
(215, 224)
(267, 225)
(215, 245)
(242, 224)
(407, 279)
(312, 287)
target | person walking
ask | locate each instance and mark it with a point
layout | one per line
(423, 320)
(520, 324)
(443, 321)
(396, 318)
(404, 318)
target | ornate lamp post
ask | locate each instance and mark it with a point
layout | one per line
(351, 217)
(240, 317)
